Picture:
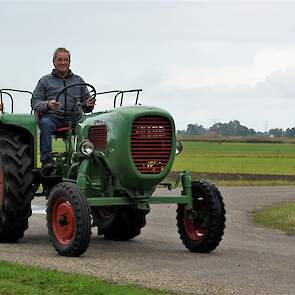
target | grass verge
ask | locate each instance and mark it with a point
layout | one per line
(280, 216)
(230, 179)
(27, 280)
(253, 182)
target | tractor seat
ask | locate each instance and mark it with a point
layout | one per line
(62, 132)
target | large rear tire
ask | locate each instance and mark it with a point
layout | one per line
(16, 186)
(68, 219)
(204, 230)
(103, 217)
(126, 225)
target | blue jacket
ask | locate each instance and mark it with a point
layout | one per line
(48, 88)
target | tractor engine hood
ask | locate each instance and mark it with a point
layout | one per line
(138, 143)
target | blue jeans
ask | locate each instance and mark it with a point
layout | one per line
(48, 124)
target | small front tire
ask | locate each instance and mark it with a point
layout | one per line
(203, 231)
(68, 219)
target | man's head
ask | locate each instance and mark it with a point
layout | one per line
(61, 61)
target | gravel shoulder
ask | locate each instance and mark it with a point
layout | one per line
(250, 259)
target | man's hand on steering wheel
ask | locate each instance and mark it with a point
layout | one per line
(90, 102)
(53, 104)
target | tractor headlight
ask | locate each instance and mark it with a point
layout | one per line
(86, 147)
(178, 149)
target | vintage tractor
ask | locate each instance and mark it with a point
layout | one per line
(112, 164)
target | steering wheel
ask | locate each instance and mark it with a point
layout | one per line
(90, 95)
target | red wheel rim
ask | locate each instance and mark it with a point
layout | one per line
(194, 231)
(1, 186)
(195, 228)
(63, 221)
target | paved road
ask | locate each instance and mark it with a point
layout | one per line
(250, 260)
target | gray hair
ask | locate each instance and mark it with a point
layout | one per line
(61, 49)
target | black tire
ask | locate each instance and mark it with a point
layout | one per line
(68, 219)
(103, 217)
(126, 225)
(204, 232)
(16, 186)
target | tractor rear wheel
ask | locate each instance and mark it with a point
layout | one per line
(68, 219)
(126, 225)
(16, 186)
(103, 217)
(203, 230)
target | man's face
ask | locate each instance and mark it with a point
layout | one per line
(62, 63)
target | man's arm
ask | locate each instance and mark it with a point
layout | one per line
(39, 102)
(88, 103)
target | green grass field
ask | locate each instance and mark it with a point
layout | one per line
(26, 280)
(225, 157)
(280, 216)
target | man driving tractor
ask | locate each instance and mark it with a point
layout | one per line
(53, 114)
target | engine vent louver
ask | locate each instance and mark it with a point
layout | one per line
(98, 136)
(151, 142)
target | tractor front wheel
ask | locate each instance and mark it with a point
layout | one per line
(68, 219)
(201, 230)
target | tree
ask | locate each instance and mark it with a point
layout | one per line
(276, 132)
(290, 132)
(195, 129)
(233, 128)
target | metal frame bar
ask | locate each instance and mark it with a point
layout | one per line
(7, 93)
(4, 91)
(122, 94)
(185, 197)
(116, 201)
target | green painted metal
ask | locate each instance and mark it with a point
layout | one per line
(185, 198)
(187, 188)
(116, 201)
(83, 180)
(170, 200)
(117, 154)
(24, 121)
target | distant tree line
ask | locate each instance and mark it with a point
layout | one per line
(233, 128)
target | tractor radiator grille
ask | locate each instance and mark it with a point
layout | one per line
(151, 141)
(98, 136)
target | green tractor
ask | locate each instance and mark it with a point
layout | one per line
(112, 164)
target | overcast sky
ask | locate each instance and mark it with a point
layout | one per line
(204, 62)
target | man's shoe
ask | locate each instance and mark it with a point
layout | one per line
(47, 166)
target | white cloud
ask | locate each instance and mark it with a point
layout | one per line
(265, 62)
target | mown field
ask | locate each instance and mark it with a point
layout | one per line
(234, 157)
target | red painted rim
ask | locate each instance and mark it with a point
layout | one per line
(194, 231)
(63, 221)
(1, 186)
